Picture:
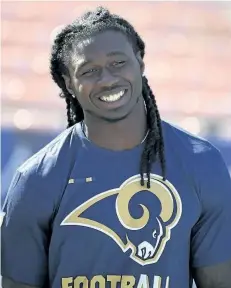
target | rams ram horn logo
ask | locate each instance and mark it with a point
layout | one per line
(146, 251)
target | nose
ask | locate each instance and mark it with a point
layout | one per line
(107, 79)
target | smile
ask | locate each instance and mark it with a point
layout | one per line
(112, 97)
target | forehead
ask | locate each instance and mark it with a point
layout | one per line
(100, 45)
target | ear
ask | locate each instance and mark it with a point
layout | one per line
(141, 62)
(68, 84)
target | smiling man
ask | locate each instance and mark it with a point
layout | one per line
(121, 198)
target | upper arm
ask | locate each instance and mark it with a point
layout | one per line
(24, 234)
(211, 236)
(8, 283)
(218, 276)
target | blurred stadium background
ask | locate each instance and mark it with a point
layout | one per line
(188, 63)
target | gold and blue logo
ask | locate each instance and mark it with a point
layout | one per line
(145, 251)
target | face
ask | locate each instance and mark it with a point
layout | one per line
(105, 75)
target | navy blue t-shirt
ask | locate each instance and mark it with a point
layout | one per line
(77, 216)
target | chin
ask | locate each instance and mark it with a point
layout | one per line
(114, 119)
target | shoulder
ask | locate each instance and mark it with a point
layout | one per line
(198, 156)
(203, 160)
(56, 157)
(46, 158)
(187, 141)
(205, 165)
(41, 179)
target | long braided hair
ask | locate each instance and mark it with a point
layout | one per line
(91, 23)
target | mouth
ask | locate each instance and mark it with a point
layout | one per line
(113, 97)
(113, 100)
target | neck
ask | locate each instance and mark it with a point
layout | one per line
(121, 135)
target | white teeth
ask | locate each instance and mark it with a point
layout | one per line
(113, 97)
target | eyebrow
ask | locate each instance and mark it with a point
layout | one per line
(113, 53)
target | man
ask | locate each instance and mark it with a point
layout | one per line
(121, 198)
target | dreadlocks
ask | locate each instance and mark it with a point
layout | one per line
(91, 23)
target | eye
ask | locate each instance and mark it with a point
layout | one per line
(89, 72)
(154, 234)
(118, 63)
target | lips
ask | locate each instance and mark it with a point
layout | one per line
(112, 91)
(112, 97)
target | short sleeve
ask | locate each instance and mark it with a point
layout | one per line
(211, 236)
(24, 234)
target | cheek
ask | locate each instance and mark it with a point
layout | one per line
(137, 84)
(134, 76)
(83, 90)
